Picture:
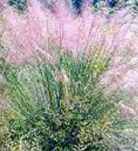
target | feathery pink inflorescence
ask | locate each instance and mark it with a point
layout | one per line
(38, 27)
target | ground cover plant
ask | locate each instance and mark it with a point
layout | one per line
(61, 107)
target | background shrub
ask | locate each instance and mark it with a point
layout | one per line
(18, 4)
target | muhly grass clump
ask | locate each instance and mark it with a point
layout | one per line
(61, 107)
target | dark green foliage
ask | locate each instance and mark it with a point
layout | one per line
(21, 5)
(117, 4)
(77, 5)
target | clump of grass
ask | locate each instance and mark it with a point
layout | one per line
(61, 106)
